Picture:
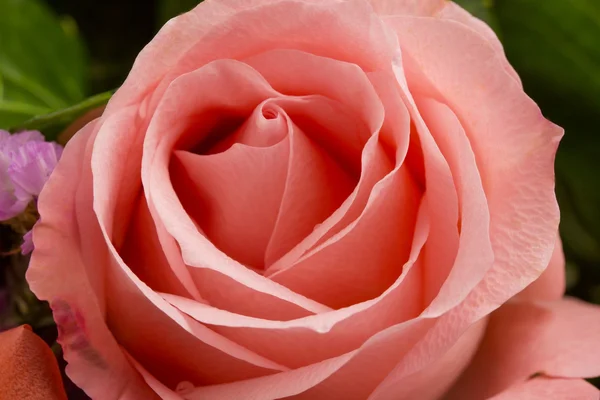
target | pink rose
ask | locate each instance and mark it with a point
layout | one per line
(314, 199)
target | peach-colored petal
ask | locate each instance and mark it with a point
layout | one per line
(209, 266)
(350, 376)
(550, 389)
(558, 339)
(115, 163)
(376, 173)
(159, 388)
(28, 368)
(214, 31)
(144, 253)
(315, 186)
(551, 284)
(187, 350)
(514, 146)
(297, 73)
(474, 256)
(326, 334)
(98, 367)
(220, 192)
(443, 9)
(193, 349)
(275, 386)
(454, 12)
(509, 169)
(435, 379)
(332, 281)
(366, 257)
(420, 8)
(359, 99)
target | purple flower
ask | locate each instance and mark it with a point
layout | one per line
(26, 162)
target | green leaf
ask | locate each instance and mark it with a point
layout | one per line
(54, 123)
(42, 61)
(553, 45)
(482, 9)
(167, 9)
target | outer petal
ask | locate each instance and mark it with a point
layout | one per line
(443, 9)
(435, 379)
(550, 389)
(408, 7)
(58, 273)
(214, 29)
(514, 147)
(551, 284)
(560, 338)
(28, 369)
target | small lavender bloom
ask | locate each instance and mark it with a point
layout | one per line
(26, 162)
(32, 165)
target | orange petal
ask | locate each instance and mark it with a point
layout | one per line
(28, 369)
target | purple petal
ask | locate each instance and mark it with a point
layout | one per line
(12, 202)
(12, 142)
(27, 246)
(32, 164)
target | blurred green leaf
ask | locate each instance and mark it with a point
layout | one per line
(42, 61)
(553, 45)
(482, 9)
(168, 9)
(54, 123)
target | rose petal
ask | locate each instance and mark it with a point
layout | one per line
(188, 350)
(28, 368)
(220, 192)
(435, 379)
(299, 73)
(513, 144)
(325, 334)
(366, 257)
(523, 172)
(441, 9)
(551, 284)
(454, 12)
(149, 258)
(558, 339)
(315, 187)
(209, 266)
(343, 376)
(550, 389)
(213, 30)
(474, 256)
(58, 254)
(408, 7)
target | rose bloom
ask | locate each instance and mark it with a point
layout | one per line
(315, 199)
